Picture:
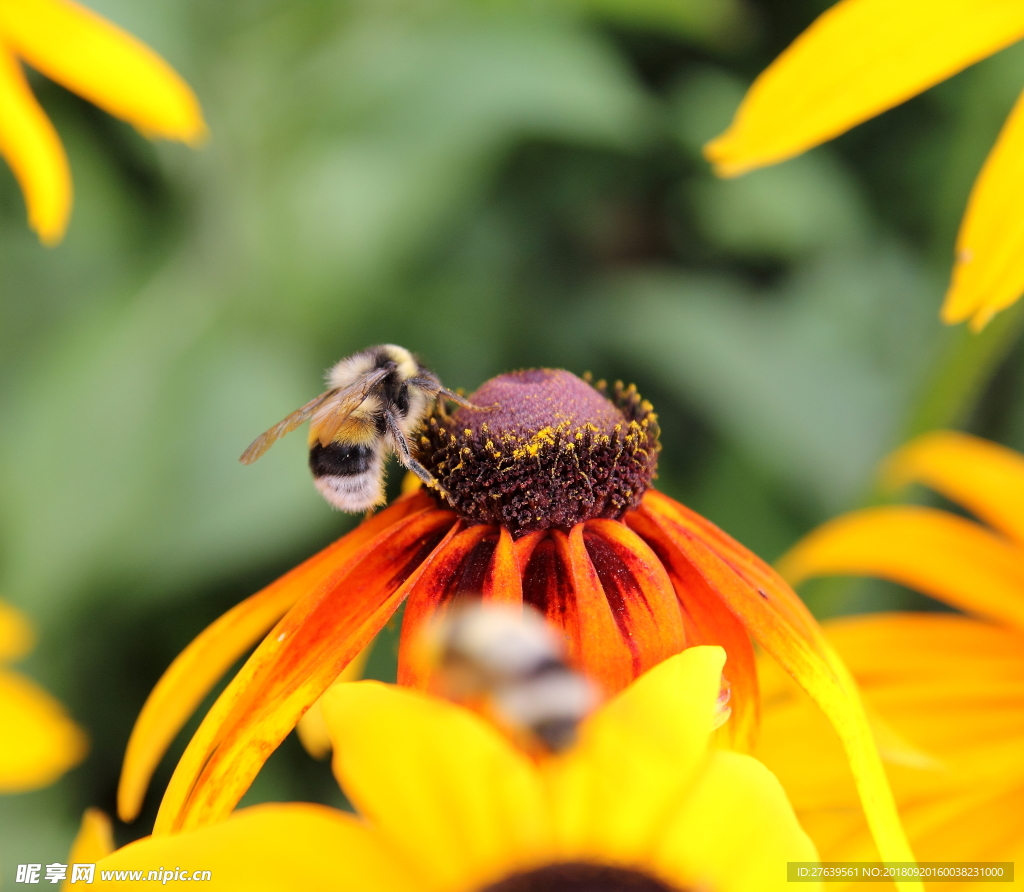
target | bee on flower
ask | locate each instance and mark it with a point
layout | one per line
(543, 499)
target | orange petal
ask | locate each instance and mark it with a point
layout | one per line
(561, 582)
(459, 568)
(984, 477)
(638, 591)
(104, 64)
(34, 152)
(312, 727)
(856, 60)
(503, 583)
(707, 620)
(988, 274)
(935, 552)
(293, 666)
(199, 666)
(776, 618)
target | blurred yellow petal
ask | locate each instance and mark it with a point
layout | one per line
(16, 636)
(988, 274)
(33, 150)
(954, 687)
(104, 64)
(734, 832)
(314, 735)
(38, 742)
(95, 839)
(636, 756)
(940, 554)
(273, 848)
(437, 782)
(856, 60)
(985, 478)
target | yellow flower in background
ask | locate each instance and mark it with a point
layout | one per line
(38, 742)
(949, 689)
(448, 804)
(95, 59)
(862, 57)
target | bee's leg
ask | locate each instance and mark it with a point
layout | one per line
(435, 388)
(462, 401)
(402, 445)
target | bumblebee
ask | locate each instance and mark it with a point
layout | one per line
(509, 664)
(375, 400)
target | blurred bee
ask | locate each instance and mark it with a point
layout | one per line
(375, 400)
(509, 664)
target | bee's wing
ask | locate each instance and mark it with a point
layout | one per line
(268, 438)
(331, 416)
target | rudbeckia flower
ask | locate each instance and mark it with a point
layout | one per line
(642, 802)
(95, 59)
(948, 689)
(549, 504)
(862, 57)
(38, 742)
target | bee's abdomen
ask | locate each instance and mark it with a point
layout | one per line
(340, 459)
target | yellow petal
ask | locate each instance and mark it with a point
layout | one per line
(935, 552)
(275, 848)
(189, 678)
(988, 274)
(95, 838)
(734, 831)
(984, 477)
(314, 735)
(636, 756)
(104, 64)
(34, 152)
(953, 686)
(856, 60)
(38, 742)
(16, 636)
(440, 784)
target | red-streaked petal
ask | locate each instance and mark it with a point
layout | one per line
(707, 620)
(457, 569)
(747, 565)
(293, 666)
(776, 618)
(984, 477)
(638, 591)
(940, 554)
(198, 667)
(562, 582)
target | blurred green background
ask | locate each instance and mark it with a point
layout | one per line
(493, 185)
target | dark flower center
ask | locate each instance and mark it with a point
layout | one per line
(578, 876)
(554, 451)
